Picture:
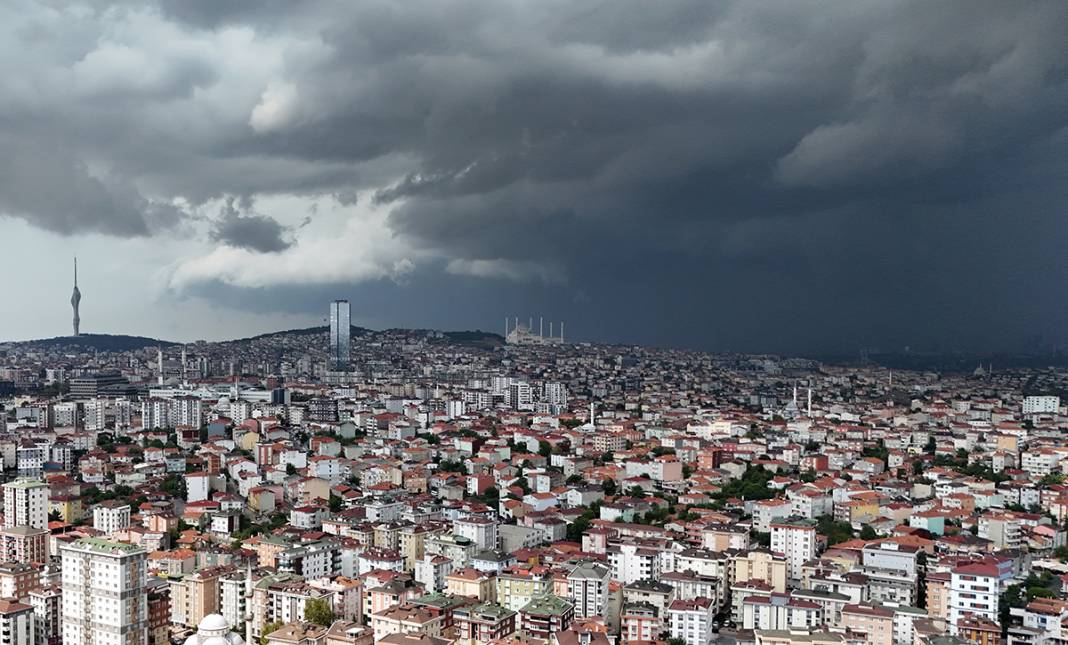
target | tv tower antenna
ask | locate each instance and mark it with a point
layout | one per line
(76, 299)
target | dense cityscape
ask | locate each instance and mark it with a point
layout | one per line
(533, 322)
(339, 485)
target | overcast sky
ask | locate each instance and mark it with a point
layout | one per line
(784, 176)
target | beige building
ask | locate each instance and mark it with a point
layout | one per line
(876, 622)
(797, 637)
(937, 594)
(406, 619)
(196, 595)
(762, 566)
(473, 584)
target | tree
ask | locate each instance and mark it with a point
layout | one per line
(636, 491)
(335, 503)
(545, 448)
(174, 486)
(291, 469)
(575, 480)
(676, 641)
(609, 487)
(835, 531)
(868, 533)
(578, 528)
(318, 611)
(269, 629)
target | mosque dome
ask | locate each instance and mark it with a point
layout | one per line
(214, 630)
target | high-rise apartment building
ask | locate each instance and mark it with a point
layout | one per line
(16, 623)
(339, 335)
(26, 504)
(794, 538)
(46, 603)
(111, 516)
(104, 595)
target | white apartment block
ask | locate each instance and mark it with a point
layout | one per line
(111, 517)
(973, 591)
(26, 504)
(795, 539)
(631, 563)
(104, 596)
(587, 587)
(691, 620)
(767, 511)
(480, 530)
(1041, 404)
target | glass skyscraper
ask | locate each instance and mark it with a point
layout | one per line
(339, 335)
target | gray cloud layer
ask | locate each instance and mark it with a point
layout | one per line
(803, 174)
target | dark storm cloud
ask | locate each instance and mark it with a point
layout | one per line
(789, 175)
(249, 230)
(44, 183)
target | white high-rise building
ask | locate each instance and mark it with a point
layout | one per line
(554, 393)
(95, 415)
(155, 413)
(111, 516)
(974, 590)
(587, 588)
(1041, 404)
(794, 538)
(339, 336)
(104, 596)
(187, 411)
(26, 504)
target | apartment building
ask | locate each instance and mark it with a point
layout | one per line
(26, 504)
(794, 538)
(104, 598)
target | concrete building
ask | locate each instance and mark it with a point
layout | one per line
(111, 516)
(26, 504)
(104, 597)
(796, 540)
(16, 623)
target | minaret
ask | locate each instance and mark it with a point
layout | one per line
(248, 602)
(76, 298)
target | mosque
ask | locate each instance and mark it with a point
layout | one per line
(214, 630)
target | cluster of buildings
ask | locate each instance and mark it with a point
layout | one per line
(334, 487)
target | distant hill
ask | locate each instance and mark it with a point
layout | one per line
(101, 342)
(307, 331)
(123, 343)
(478, 337)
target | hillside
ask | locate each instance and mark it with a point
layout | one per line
(99, 342)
